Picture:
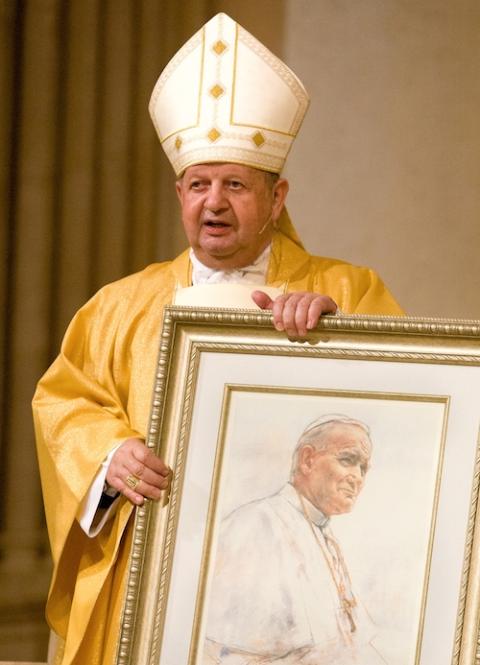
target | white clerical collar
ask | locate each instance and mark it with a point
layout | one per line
(253, 274)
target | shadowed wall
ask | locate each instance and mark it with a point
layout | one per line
(386, 169)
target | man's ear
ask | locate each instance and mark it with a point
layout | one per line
(305, 460)
(178, 188)
(280, 191)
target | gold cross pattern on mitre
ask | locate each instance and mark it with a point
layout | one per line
(224, 97)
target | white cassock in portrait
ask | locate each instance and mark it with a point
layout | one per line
(281, 591)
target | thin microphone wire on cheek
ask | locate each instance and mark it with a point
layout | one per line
(262, 230)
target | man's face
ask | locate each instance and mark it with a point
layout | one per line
(228, 212)
(335, 474)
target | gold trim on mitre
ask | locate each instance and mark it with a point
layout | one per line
(224, 78)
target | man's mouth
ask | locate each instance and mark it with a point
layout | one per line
(213, 224)
(349, 493)
(216, 228)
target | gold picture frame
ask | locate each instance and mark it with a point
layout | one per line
(232, 395)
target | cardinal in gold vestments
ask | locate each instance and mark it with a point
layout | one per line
(97, 393)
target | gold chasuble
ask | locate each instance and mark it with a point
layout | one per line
(97, 394)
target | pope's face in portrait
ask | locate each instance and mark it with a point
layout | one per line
(334, 474)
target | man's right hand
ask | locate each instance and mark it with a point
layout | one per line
(296, 312)
(133, 462)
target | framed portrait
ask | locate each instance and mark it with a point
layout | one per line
(324, 497)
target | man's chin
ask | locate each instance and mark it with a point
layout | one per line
(345, 505)
(222, 256)
(214, 256)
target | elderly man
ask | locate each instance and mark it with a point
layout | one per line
(286, 597)
(226, 111)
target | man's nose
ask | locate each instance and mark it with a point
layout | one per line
(356, 475)
(215, 199)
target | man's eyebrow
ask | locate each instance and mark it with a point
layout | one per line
(235, 177)
(354, 452)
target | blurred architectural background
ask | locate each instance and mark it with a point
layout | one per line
(386, 172)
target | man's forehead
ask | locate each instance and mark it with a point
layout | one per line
(223, 169)
(343, 435)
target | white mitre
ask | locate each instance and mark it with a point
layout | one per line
(224, 97)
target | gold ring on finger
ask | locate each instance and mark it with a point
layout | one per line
(132, 481)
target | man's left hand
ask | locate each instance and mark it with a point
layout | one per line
(297, 312)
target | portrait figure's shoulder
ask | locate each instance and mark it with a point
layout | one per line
(265, 515)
